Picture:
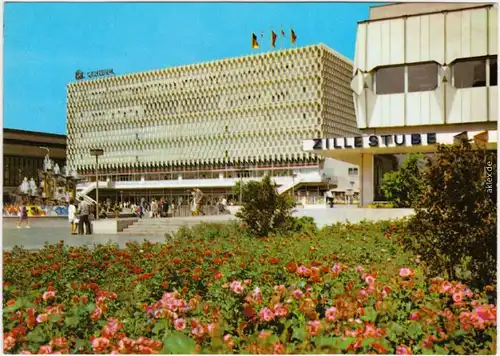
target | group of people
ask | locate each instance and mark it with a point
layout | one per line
(161, 208)
(79, 218)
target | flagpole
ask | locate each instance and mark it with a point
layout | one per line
(262, 41)
(281, 37)
(271, 43)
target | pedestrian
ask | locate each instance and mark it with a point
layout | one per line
(23, 215)
(165, 208)
(116, 210)
(194, 211)
(329, 198)
(154, 209)
(72, 216)
(84, 212)
(199, 199)
(173, 207)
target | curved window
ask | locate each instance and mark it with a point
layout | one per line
(422, 77)
(390, 80)
(469, 73)
(493, 72)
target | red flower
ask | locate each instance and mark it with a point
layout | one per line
(249, 312)
(291, 267)
(274, 260)
(380, 349)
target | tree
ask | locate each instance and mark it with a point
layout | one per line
(263, 209)
(404, 186)
(454, 228)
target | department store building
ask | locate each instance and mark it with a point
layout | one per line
(212, 124)
(422, 75)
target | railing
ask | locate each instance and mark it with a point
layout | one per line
(86, 198)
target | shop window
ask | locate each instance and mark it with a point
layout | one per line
(390, 80)
(353, 171)
(422, 77)
(493, 71)
(469, 73)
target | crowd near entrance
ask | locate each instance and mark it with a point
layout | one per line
(178, 201)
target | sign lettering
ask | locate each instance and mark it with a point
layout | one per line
(374, 141)
(79, 75)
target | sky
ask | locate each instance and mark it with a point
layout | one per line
(45, 43)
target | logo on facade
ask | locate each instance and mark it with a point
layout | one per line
(100, 73)
(79, 75)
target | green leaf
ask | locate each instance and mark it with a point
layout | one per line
(82, 344)
(90, 307)
(415, 330)
(440, 350)
(299, 333)
(370, 314)
(36, 336)
(159, 326)
(72, 321)
(178, 343)
(55, 318)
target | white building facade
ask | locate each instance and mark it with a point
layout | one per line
(422, 74)
(211, 124)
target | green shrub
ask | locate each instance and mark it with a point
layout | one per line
(264, 210)
(404, 187)
(454, 228)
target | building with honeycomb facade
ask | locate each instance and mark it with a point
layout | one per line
(211, 124)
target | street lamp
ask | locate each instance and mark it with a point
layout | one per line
(96, 152)
(46, 149)
(241, 187)
(293, 185)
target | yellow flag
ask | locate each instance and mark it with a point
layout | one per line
(273, 39)
(255, 43)
(293, 36)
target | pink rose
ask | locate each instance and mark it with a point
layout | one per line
(405, 272)
(48, 295)
(42, 318)
(100, 344)
(266, 314)
(403, 350)
(331, 314)
(280, 310)
(458, 297)
(336, 268)
(45, 350)
(179, 324)
(8, 342)
(314, 327)
(236, 287)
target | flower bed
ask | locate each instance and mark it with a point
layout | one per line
(346, 288)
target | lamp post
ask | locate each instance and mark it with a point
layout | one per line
(241, 188)
(293, 185)
(96, 152)
(46, 149)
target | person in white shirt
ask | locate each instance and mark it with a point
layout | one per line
(72, 216)
(329, 198)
